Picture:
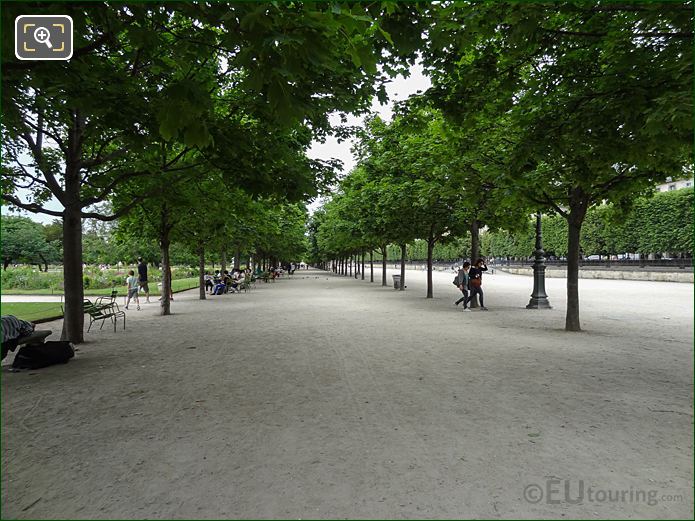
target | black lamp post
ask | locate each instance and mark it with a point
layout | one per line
(539, 298)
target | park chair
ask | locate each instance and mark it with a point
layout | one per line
(107, 300)
(245, 284)
(97, 314)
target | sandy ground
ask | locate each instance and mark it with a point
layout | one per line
(329, 397)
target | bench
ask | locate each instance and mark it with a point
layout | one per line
(36, 337)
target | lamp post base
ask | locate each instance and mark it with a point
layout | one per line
(539, 303)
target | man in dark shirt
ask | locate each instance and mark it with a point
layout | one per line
(142, 278)
(476, 281)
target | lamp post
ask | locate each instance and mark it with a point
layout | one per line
(539, 298)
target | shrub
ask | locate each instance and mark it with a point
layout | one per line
(30, 278)
(93, 277)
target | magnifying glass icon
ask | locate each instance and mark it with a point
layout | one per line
(43, 35)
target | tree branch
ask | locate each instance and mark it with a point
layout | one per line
(109, 188)
(120, 213)
(653, 34)
(100, 160)
(179, 156)
(51, 181)
(30, 207)
(38, 128)
(27, 174)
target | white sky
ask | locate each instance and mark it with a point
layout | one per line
(398, 89)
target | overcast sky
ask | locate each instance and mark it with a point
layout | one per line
(398, 89)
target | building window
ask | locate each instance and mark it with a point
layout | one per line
(671, 187)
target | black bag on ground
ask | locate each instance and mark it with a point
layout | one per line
(42, 355)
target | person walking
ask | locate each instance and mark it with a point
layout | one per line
(142, 279)
(476, 281)
(463, 281)
(132, 282)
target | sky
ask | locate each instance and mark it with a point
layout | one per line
(400, 88)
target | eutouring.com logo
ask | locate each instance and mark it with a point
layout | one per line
(565, 491)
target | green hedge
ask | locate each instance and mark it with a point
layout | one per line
(662, 223)
(27, 278)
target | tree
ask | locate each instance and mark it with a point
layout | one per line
(83, 122)
(597, 99)
(23, 240)
(135, 78)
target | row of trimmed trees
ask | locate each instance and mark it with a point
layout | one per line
(658, 224)
(533, 108)
(174, 113)
(186, 122)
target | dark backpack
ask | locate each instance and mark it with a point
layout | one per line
(42, 355)
(456, 280)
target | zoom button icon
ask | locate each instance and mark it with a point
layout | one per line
(43, 37)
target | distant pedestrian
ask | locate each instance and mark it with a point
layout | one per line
(132, 282)
(463, 281)
(476, 281)
(142, 279)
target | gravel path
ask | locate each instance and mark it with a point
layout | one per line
(31, 298)
(329, 397)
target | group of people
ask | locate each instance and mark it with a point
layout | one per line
(135, 284)
(225, 282)
(470, 281)
(217, 284)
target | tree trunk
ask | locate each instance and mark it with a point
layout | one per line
(201, 272)
(371, 265)
(430, 250)
(223, 260)
(45, 262)
(402, 287)
(5, 264)
(164, 243)
(575, 219)
(73, 323)
(237, 257)
(362, 270)
(475, 241)
(475, 254)
(383, 266)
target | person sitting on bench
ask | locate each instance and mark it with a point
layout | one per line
(16, 331)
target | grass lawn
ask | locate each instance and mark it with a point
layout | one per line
(177, 285)
(32, 311)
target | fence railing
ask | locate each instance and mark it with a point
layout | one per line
(605, 263)
(674, 264)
